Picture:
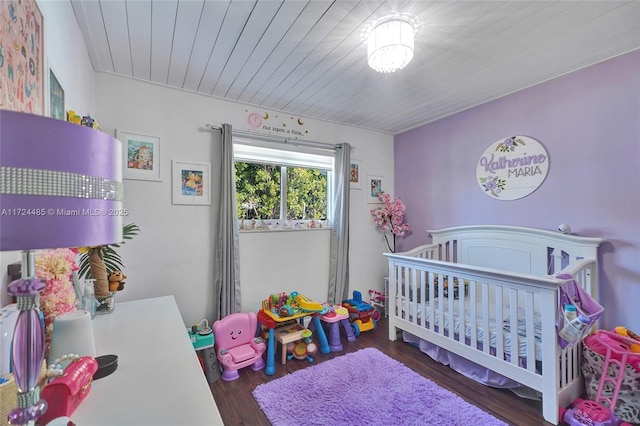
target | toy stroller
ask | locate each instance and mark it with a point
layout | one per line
(595, 413)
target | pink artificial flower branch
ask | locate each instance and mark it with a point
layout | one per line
(389, 218)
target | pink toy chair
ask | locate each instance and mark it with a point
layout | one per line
(236, 344)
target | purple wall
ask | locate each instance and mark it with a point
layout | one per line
(588, 121)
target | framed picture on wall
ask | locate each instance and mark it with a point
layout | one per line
(141, 156)
(375, 184)
(56, 97)
(191, 183)
(355, 174)
(22, 72)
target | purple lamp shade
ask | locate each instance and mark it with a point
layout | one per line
(60, 184)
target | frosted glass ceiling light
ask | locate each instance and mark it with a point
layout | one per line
(390, 44)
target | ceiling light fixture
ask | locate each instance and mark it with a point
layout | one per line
(390, 44)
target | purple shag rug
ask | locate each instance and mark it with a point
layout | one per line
(364, 388)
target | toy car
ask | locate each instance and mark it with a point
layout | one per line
(360, 314)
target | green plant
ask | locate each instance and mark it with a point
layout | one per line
(98, 262)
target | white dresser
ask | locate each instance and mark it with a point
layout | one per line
(159, 380)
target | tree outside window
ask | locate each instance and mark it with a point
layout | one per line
(259, 188)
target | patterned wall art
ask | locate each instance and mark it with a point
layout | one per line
(355, 174)
(375, 185)
(191, 183)
(21, 57)
(141, 156)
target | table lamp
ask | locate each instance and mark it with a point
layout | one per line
(60, 186)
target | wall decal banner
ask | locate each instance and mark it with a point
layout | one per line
(276, 123)
(512, 168)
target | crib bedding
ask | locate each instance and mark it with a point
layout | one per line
(493, 335)
(463, 366)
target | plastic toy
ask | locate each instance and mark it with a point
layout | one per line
(623, 331)
(302, 348)
(596, 413)
(590, 413)
(360, 313)
(309, 305)
(285, 305)
(235, 344)
(201, 335)
(377, 299)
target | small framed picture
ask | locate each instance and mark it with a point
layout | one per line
(141, 156)
(56, 97)
(191, 183)
(355, 174)
(375, 185)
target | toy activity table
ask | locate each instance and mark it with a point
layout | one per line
(334, 320)
(270, 320)
(288, 334)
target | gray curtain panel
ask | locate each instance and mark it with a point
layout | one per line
(339, 247)
(227, 262)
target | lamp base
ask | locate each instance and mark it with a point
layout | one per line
(29, 408)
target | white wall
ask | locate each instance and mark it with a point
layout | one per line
(174, 252)
(283, 261)
(66, 54)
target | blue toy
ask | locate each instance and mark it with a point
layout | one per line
(360, 313)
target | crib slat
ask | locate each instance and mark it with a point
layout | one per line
(473, 319)
(450, 312)
(461, 309)
(440, 305)
(421, 302)
(405, 292)
(556, 257)
(499, 321)
(530, 331)
(484, 320)
(430, 301)
(414, 294)
(513, 323)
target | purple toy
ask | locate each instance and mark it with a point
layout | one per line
(591, 413)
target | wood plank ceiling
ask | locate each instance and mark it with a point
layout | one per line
(309, 58)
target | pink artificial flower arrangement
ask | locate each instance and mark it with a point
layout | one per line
(389, 218)
(58, 297)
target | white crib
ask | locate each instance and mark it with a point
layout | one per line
(505, 296)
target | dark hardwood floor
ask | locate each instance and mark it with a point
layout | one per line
(237, 406)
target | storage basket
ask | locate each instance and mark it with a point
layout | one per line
(628, 404)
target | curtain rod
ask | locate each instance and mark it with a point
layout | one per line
(277, 139)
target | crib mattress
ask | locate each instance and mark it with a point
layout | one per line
(493, 336)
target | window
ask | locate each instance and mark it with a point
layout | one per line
(280, 188)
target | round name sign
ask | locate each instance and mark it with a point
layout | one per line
(512, 168)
